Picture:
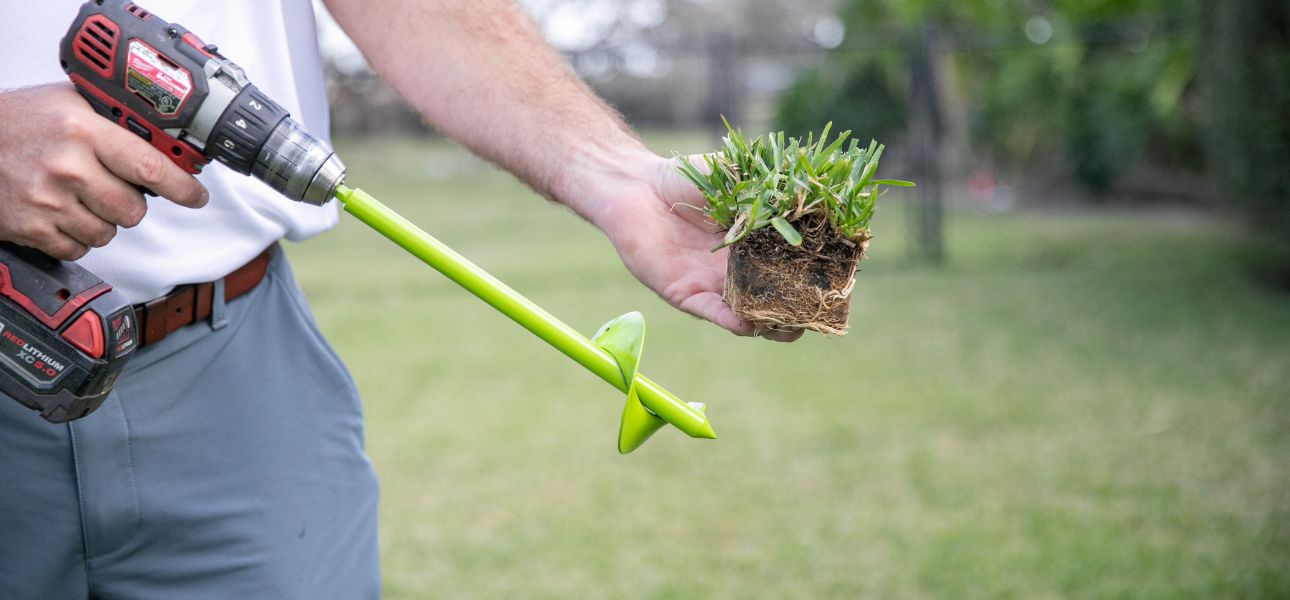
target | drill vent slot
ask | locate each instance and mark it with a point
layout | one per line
(96, 44)
(137, 11)
(102, 33)
(96, 61)
(103, 47)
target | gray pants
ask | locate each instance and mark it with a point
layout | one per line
(227, 463)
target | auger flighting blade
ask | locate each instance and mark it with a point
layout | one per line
(624, 339)
(614, 357)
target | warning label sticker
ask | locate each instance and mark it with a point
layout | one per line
(37, 363)
(162, 83)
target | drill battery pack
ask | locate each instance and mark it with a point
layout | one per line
(64, 334)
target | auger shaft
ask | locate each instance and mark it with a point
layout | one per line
(520, 309)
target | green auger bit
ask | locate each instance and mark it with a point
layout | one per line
(613, 356)
(624, 339)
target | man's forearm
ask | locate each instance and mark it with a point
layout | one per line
(481, 73)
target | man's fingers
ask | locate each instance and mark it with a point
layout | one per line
(111, 199)
(63, 247)
(50, 239)
(134, 160)
(710, 306)
(780, 335)
(86, 228)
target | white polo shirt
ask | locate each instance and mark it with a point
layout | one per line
(276, 43)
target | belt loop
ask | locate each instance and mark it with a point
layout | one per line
(219, 319)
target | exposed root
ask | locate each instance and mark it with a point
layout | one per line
(777, 286)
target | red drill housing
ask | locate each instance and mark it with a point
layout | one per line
(141, 72)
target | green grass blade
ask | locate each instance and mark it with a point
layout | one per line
(773, 179)
(787, 230)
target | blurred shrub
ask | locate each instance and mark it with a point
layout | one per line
(1122, 112)
(863, 97)
(1104, 88)
(1248, 96)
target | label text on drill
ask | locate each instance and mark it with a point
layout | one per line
(31, 354)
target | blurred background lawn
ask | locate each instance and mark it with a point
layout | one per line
(1069, 367)
(1083, 405)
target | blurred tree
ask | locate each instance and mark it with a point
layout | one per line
(1248, 95)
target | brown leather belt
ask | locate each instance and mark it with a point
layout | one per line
(188, 304)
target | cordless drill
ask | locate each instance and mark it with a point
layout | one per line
(64, 334)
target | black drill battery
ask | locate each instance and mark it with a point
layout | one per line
(64, 334)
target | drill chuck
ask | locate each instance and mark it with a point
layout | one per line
(255, 136)
(299, 165)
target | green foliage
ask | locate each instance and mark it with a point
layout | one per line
(859, 95)
(1104, 94)
(775, 181)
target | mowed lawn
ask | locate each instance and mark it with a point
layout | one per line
(1088, 405)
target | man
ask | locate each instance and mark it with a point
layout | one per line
(228, 461)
